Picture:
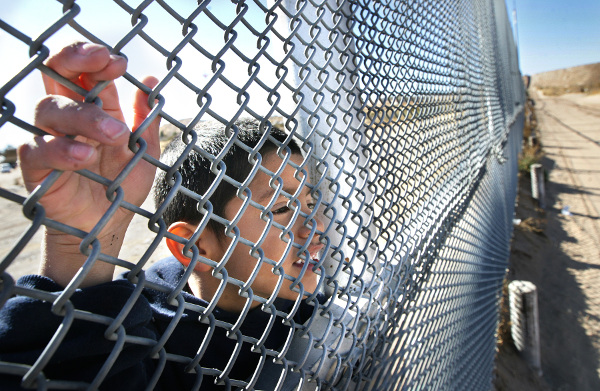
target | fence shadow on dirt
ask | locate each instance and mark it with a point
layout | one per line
(569, 360)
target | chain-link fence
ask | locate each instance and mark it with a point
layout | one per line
(361, 246)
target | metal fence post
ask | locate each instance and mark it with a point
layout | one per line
(525, 321)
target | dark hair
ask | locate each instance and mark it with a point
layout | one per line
(196, 172)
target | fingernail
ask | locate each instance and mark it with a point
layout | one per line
(81, 152)
(116, 57)
(88, 48)
(112, 128)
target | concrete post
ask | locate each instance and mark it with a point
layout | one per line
(524, 319)
(323, 72)
(538, 190)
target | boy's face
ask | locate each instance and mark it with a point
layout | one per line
(241, 264)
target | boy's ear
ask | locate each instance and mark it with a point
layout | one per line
(205, 244)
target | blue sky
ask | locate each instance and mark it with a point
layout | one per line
(556, 34)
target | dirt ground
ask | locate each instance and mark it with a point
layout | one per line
(558, 249)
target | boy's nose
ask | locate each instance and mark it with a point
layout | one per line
(306, 227)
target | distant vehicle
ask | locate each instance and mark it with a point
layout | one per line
(5, 167)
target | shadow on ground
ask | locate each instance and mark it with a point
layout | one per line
(569, 360)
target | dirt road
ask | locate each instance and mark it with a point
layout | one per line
(562, 257)
(570, 128)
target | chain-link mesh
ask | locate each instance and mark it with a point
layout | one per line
(409, 118)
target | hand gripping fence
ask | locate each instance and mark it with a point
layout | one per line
(409, 115)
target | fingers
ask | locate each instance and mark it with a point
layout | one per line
(87, 58)
(99, 134)
(59, 115)
(60, 153)
(86, 64)
(141, 110)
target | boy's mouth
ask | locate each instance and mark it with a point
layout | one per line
(315, 257)
(299, 262)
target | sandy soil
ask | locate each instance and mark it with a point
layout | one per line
(558, 249)
(14, 224)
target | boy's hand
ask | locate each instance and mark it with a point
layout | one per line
(100, 146)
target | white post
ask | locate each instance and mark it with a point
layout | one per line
(323, 71)
(322, 77)
(538, 190)
(524, 319)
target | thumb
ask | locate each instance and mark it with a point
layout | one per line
(141, 110)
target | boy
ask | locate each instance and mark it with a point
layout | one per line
(247, 247)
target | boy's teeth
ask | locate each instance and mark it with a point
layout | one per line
(313, 257)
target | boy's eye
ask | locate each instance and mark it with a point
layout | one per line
(285, 208)
(282, 210)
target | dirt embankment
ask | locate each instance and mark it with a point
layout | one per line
(580, 79)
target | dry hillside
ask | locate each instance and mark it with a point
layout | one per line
(584, 78)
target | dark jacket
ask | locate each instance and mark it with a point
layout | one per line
(27, 325)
